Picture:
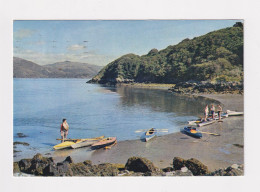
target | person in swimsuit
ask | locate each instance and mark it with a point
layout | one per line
(219, 112)
(64, 130)
(206, 113)
(212, 111)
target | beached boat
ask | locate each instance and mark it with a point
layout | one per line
(151, 133)
(86, 143)
(195, 122)
(234, 113)
(69, 142)
(65, 144)
(192, 131)
(204, 123)
(103, 143)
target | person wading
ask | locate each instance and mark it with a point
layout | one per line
(64, 130)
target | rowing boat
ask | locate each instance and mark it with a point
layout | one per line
(69, 142)
(192, 131)
(234, 113)
(151, 133)
(103, 143)
(85, 143)
(206, 122)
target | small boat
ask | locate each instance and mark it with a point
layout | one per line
(85, 143)
(203, 123)
(234, 113)
(151, 133)
(69, 142)
(192, 131)
(65, 144)
(103, 143)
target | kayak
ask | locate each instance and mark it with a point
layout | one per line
(192, 131)
(234, 113)
(65, 144)
(86, 143)
(69, 142)
(206, 122)
(151, 133)
(103, 143)
(195, 122)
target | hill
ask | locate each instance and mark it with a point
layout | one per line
(216, 56)
(27, 69)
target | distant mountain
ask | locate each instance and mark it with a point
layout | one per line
(216, 56)
(27, 69)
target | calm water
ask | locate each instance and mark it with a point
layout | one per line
(93, 110)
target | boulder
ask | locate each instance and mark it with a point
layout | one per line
(68, 159)
(24, 164)
(139, 164)
(196, 167)
(106, 169)
(16, 168)
(178, 163)
(38, 164)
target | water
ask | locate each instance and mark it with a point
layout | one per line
(93, 110)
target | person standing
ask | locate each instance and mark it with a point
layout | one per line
(64, 130)
(212, 111)
(206, 112)
(219, 112)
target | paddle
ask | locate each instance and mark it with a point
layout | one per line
(144, 130)
(215, 134)
(97, 138)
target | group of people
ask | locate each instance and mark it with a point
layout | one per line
(212, 112)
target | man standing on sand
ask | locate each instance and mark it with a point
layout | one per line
(212, 111)
(219, 112)
(64, 130)
(206, 112)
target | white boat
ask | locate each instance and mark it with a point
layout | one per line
(234, 113)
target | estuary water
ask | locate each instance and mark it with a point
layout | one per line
(92, 110)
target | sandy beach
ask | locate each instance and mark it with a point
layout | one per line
(214, 151)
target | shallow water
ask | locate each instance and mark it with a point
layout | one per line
(93, 110)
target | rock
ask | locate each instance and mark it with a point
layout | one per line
(106, 169)
(21, 135)
(178, 163)
(88, 163)
(21, 143)
(196, 167)
(24, 164)
(68, 159)
(167, 169)
(184, 169)
(16, 168)
(234, 166)
(139, 164)
(180, 173)
(38, 164)
(63, 169)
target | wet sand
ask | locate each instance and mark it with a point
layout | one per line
(214, 151)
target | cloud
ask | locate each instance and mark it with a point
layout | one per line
(76, 47)
(23, 33)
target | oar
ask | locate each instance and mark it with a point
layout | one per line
(144, 130)
(210, 133)
(97, 138)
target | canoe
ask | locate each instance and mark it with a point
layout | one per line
(204, 123)
(234, 113)
(103, 143)
(151, 133)
(69, 142)
(86, 143)
(195, 122)
(65, 144)
(192, 131)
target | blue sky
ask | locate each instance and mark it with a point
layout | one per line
(102, 41)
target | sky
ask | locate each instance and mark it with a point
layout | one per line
(100, 42)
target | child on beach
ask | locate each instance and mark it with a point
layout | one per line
(212, 111)
(64, 130)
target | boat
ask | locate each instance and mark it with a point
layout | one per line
(69, 142)
(198, 121)
(65, 144)
(86, 143)
(151, 133)
(234, 113)
(103, 143)
(203, 123)
(192, 131)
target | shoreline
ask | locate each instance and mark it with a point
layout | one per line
(214, 152)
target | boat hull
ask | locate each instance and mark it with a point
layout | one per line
(103, 143)
(148, 135)
(192, 131)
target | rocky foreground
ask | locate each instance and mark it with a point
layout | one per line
(135, 166)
